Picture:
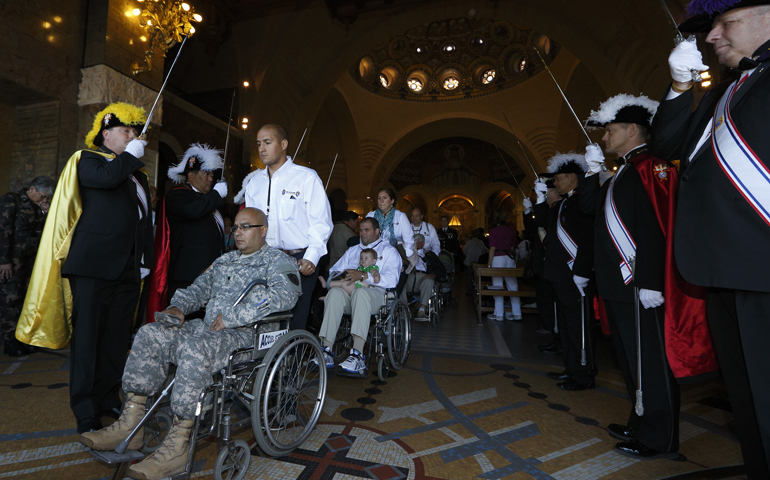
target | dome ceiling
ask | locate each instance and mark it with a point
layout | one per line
(453, 60)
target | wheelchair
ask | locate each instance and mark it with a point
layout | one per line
(435, 302)
(390, 337)
(271, 379)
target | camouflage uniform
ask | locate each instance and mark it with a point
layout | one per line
(198, 352)
(21, 224)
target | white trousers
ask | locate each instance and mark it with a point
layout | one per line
(504, 261)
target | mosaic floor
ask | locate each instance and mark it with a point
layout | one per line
(472, 402)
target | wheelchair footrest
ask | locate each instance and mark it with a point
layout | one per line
(111, 458)
(344, 373)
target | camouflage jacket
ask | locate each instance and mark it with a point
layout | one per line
(21, 224)
(219, 287)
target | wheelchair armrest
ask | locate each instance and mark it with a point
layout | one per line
(249, 287)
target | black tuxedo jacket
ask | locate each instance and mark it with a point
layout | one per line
(638, 216)
(195, 239)
(537, 246)
(579, 226)
(719, 240)
(449, 240)
(110, 230)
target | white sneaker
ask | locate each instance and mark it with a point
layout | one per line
(530, 305)
(510, 316)
(492, 316)
(328, 359)
(354, 363)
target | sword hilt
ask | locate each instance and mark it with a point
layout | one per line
(583, 357)
(639, 406)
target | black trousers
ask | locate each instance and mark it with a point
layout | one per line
(739, 328)
(301, 310)
(102, 322)
(658, 428)
(545, 296)
(571, 330)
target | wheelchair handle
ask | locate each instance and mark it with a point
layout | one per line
(248, 288)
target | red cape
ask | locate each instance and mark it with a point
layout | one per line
(157, 299)
(689, 347)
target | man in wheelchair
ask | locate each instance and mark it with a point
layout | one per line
(363, 302)
(422, 279)
(199, 348)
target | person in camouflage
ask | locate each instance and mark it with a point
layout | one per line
(200, 347)
(22, 217)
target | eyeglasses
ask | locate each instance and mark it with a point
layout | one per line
(244, 226)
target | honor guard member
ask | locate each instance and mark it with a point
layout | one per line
(22, 217)
(634, 210)
(199, 347)
(722, 224)
(363, 302)
(191, 232)
(448, 237)
(569, 266)
(427, 230)
(296, 205)
(111, 251)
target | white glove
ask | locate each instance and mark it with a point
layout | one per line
(650, 298)
(685, 58)
(540, 189)
(527, 204)
(136, 148)
(594, 158)
(221, 188)
(581, 283)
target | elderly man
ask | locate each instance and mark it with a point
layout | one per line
(427, 230)
(722, 223)
(363, 302)
(199, 348)
(22, 217)
(343, 235)
(192, 229)
(294, 200)
(419, 280)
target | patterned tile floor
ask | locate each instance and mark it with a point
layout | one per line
(472, 402)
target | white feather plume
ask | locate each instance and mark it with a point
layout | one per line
(555, 162)
(610, 108)
(209, 157)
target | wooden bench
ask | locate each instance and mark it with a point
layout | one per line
(482, 287)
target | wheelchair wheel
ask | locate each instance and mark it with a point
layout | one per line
(344, 341)
(382, 368)
(434, 318)
(155, 431)
(233, 465)
(398, 334)
(288, 394)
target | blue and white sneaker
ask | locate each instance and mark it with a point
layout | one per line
(355, 363)
(328, 359)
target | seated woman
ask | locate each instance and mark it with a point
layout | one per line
(501, 243)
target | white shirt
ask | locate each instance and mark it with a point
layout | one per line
(420, 265)
(299, 215)
(388, 262)
(428, 231)
(402, 228)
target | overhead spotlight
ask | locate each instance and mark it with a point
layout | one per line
(245, 120)
(245, 84)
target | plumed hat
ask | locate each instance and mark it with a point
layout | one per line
(624, 108)
(701, 13)
(566, 163)
(197, 157)
(115, 115)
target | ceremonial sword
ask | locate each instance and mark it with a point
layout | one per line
(679, 38)
(227, 139)
(300, 142)
(509, 170)
(332, 171)
(639, 405)
(583, 328)
(142, 136)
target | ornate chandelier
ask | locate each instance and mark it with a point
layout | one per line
(167, 22)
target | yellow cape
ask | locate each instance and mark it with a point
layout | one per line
(45, 320)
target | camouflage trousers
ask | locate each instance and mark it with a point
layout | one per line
(12, 293)
(197, 352)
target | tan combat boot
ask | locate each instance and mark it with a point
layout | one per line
(108, 438)
(170, 458)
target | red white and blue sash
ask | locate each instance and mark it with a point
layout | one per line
(619, 234)
(220, 221)
(739, 162)
(569, 245)
(141, 195)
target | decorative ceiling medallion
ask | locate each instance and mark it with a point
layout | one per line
(453, 60)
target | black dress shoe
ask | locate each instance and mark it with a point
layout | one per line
(636, 450)
(15, 348)
(558, 376)
(90, 424)
(546, 347)
(573, 386)
(555, 351)
(621, 432)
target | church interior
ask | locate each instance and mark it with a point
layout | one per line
(455, 105)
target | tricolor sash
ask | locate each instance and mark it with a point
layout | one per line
(569, 245)
(620, 235)
(739, 162)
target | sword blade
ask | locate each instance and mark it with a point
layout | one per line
(160, 92)
(227, 139)
(331, 171)
(300, 142)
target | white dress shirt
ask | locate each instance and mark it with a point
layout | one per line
(388, 262)
(428, 231)
(299, 215)
(402, 228)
